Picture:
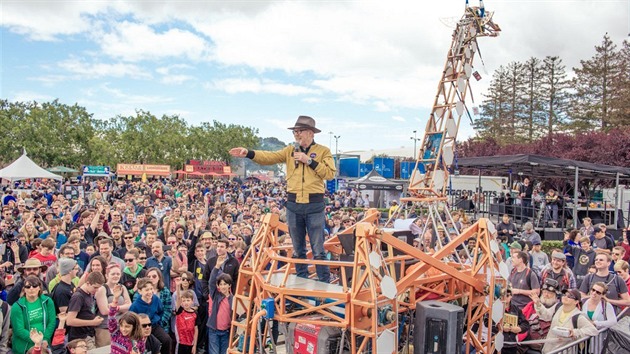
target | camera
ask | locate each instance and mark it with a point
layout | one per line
(9, 234)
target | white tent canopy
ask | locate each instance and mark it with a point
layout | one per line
(24, 168)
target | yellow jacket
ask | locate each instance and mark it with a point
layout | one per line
(302, 180)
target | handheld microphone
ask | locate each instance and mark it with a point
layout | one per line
(296, 148)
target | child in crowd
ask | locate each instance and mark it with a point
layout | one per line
(150, 304)
(126, 332)
(219, 309)
(187, 324)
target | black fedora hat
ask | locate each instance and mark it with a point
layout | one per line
(305, 122)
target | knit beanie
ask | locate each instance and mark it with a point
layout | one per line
(66, 265)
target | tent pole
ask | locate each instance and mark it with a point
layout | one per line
(576, 197)
(616, 200)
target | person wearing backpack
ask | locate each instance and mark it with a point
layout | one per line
(599, 311)
(568, 316)
(522, 279)
(617, 293)
(558, 271)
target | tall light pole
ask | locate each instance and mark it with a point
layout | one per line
(337, 160)
(415, 140)
(330, 141)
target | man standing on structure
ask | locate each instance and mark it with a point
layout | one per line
(308, 165)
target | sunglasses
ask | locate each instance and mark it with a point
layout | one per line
(130, 260)
(142, 258)
(597, 292)
(146, 325)
(29, 286)
(569, 296)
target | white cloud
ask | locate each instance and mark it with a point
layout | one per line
(170, 77)
(99, 70)
(399, 119)
(46, 20)
(137, 42)
(239, 85)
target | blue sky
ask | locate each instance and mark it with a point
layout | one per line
(366, 70)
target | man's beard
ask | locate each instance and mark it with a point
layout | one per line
(548, 302)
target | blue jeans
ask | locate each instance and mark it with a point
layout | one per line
(218, 341)
(302, 219)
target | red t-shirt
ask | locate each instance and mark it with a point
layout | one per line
(185, 323)
(224, 316)
(48, 260)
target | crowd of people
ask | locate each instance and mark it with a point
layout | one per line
(582, 287)
(151, 267)
(146, 267)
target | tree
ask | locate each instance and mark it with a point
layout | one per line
(52, 133)
(492, 109)
(554, 93)
(596, 88)
(621, 110)
(532, 99)
(515, 112)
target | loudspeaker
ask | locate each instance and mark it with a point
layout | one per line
(438, 329)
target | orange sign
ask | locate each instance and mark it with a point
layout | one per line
(140, 169)
(227, 170)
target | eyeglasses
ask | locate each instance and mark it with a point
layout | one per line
(597, 292)
(142, 258)
(146, 325)
(153, 276)
(30, 286)
(130, 260)
(129, 238)
(298, 131)
(83, 346)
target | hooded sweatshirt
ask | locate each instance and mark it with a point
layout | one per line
(154, 310)
(22, 326)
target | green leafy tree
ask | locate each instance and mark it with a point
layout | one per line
(596, 88)
(532, 98)
(555, 93)
(52, 133)
(493, 108)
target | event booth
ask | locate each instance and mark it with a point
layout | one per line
(380, 190)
